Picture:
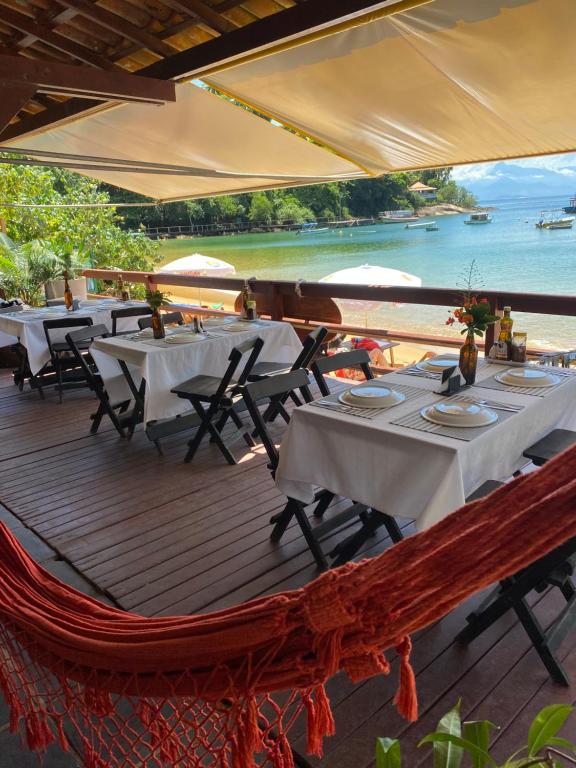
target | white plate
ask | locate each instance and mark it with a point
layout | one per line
(184, 338)
(437, 364)
(459, 414)
(240, 326)
(526, 377)
(371, 396)
(147, 333)
(217, 321)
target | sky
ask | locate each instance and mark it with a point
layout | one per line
(558, 163)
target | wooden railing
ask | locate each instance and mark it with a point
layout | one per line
(534, 303)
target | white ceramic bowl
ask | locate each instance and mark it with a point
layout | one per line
(526, 377)
(459, 414)
(437, 364)
(371, 396)
(184, 338)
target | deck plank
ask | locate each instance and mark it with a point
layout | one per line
(160, 537)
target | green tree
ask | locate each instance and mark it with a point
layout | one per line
(453, 193)
(291, 211)
(261, 209)
(96, 233)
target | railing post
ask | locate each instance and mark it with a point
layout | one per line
(277, 304)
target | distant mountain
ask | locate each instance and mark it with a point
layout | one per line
(505, 179)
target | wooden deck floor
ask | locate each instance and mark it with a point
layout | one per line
(156, 536)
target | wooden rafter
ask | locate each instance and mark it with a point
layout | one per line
(66, 79)
(28, 26)
(120, 26)
(13, 99)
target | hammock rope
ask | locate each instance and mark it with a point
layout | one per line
(223, 690)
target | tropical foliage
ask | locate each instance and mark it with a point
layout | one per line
(455, 741)
(24, 269)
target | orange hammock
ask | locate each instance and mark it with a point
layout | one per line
(196, 690)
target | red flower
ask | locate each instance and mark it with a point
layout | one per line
(450, 321)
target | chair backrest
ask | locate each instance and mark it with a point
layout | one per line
(310, 347)
(11, 310)
(563, 359)
(75, 338)
(168, 318)
(64, 322)
(118, 314)
(276, 389)
(55, 303)
(252, 346)
(356, 358)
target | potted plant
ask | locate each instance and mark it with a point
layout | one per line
(24, 270)
(475, 314)
(157, 299)
(453, 740)
(71, 262)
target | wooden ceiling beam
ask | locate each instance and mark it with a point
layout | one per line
(28, 26)
(13, 99)
(120, 26)
(70, 80)
(200, 10)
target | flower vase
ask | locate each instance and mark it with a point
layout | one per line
(157, 325)
(469, 358)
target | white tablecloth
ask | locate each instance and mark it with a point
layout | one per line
(405, 472)
(163, 366)
(28, 329)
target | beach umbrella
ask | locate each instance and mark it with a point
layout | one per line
(199, 265)
(368, 274)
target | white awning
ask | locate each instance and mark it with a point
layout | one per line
(201, 132)
(449, 82)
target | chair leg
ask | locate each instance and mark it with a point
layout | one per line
(540, 642)
(281, 521)
(60, 384)
(221, 444)
(313, 544)
(194, 443)
(323, 504)
(240, 425)
(391, 526)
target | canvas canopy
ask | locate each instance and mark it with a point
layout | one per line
(236, 150)
(448, 82)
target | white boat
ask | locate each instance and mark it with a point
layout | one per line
(548, 221)
(397, 217)
(479, 218)
(432, 227)
(312, 228)
(420, 225)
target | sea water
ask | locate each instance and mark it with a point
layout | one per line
(511, 253)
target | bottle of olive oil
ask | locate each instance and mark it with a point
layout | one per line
(505, 336)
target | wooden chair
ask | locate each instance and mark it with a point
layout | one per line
(357, 358)
(120, 314)
(118, 413)
(220, 396)
(168, 318)
(63, 362)
(553, 570)
(276, 390)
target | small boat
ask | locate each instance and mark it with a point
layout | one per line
(432, 227)
(397, 217)
(419, 225)
(312, 228)
(563, 222)
(571, 207)
(479, 218)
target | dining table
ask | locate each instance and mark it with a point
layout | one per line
(26, 327)
(124, 362)
(394, 460)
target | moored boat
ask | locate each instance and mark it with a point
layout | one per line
(420, 225)
(548, 220)
(571, 207)
(479, 218)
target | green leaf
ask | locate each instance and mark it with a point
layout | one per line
(446, 754)
(458, 746)
(546, 725)
(556, 741)
(388, 753)
(478, 733)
